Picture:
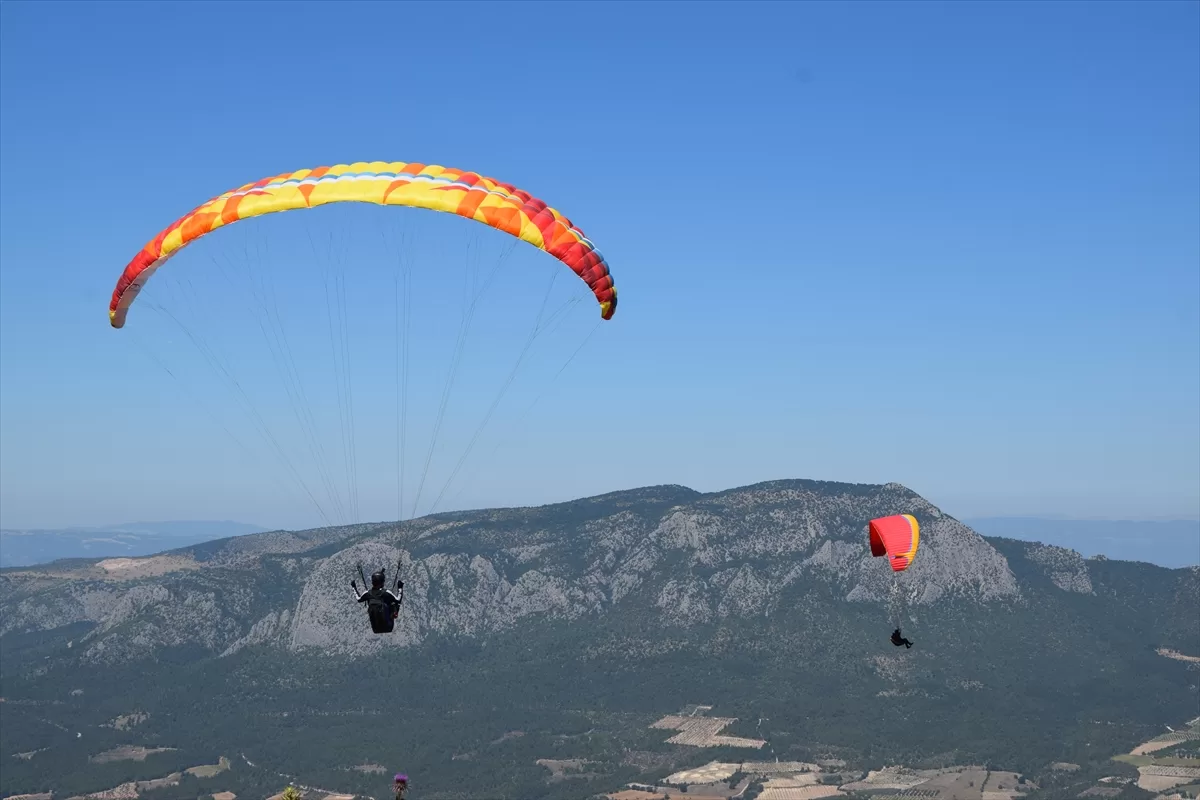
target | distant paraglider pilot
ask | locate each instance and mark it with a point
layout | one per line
(383, 605)
(401, 786)
(896, 537)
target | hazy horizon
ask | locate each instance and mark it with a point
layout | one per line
(1172, 544)
(271, 525)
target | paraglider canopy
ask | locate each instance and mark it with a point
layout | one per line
(897, 537)
(429, 186)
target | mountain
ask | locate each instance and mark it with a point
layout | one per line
(1173, 543)
(23, 548)
(533, 638)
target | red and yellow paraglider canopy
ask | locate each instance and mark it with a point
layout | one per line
(467, 194)
(897, 537)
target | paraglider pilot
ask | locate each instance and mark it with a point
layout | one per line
(898, 640)
(383, 605)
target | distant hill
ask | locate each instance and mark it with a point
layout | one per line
(1174, 543)
(562, 634)
(23, 548)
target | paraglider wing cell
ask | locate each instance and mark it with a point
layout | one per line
(897, 537)
(431, 187)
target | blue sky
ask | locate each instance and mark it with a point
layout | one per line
(955, 246)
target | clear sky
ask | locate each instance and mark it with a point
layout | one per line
(951, 245)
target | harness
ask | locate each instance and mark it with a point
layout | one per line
(383, 607)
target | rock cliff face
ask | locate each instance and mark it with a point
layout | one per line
(729, 555)
(671, 557)
(1065, 568)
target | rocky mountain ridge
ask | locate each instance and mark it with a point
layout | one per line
(682, 558)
